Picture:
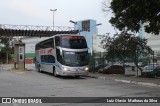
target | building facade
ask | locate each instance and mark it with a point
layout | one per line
(88, 29)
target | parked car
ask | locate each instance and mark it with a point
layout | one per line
(151, 70)
(100, 66)
(113, 69)
(156, 72)
(140, 64)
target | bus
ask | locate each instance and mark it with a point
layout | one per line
(64, 55)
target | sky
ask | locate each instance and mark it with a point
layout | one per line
(37, 12)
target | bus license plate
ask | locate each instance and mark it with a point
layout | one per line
(76, 73)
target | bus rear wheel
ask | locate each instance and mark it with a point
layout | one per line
(39, 68)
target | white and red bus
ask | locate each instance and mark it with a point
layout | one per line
(64, 55)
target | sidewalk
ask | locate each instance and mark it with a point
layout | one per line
(127, 79)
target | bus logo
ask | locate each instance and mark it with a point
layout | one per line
(50, 51)
(78, 69)
(6, 100)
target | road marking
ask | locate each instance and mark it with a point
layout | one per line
(138, 83)
(130, 82)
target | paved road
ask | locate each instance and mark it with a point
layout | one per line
(35, 84)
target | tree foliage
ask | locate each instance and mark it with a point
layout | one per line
(125, 46)
(6, 48)
(128, 13)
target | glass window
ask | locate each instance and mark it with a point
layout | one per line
(20, 49)
(86, 25)
(74, 42)
(59, 57)
(20, 56)
(48, 58)
(49, 43)
(75, 58)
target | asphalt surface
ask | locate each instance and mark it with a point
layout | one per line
(34, 84)
(128, 79)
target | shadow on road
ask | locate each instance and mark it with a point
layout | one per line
(64, 77)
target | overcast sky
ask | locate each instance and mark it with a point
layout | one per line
(37, 12)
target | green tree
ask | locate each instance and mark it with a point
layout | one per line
(128, 13)
(125, 46)
(6, 48)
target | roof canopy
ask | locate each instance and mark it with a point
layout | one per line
(34, 31)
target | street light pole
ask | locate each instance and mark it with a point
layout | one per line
(53, 16)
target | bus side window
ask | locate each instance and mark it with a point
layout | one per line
(42, 58)
(51, 59)
(57, 41)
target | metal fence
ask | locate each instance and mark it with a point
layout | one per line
(98, 60)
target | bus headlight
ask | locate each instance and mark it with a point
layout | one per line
(65, 69)
(86, 69)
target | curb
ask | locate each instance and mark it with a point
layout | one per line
(125, 81)
(138, 83)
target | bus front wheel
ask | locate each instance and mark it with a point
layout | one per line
(54, 72)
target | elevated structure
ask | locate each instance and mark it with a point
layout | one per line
(32, 32)
(7, 30)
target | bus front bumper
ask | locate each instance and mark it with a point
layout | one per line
(79, 73)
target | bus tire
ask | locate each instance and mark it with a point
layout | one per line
(36, 67)
(54, 72)
(39, 69)
(77, 76)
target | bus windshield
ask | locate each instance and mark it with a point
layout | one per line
(73, 42)
(75, 58)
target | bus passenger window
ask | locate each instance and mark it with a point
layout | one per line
(51, 59)
(42, 58)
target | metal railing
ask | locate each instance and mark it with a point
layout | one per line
(36, 27)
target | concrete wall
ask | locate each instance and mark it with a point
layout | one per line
(30, 48)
